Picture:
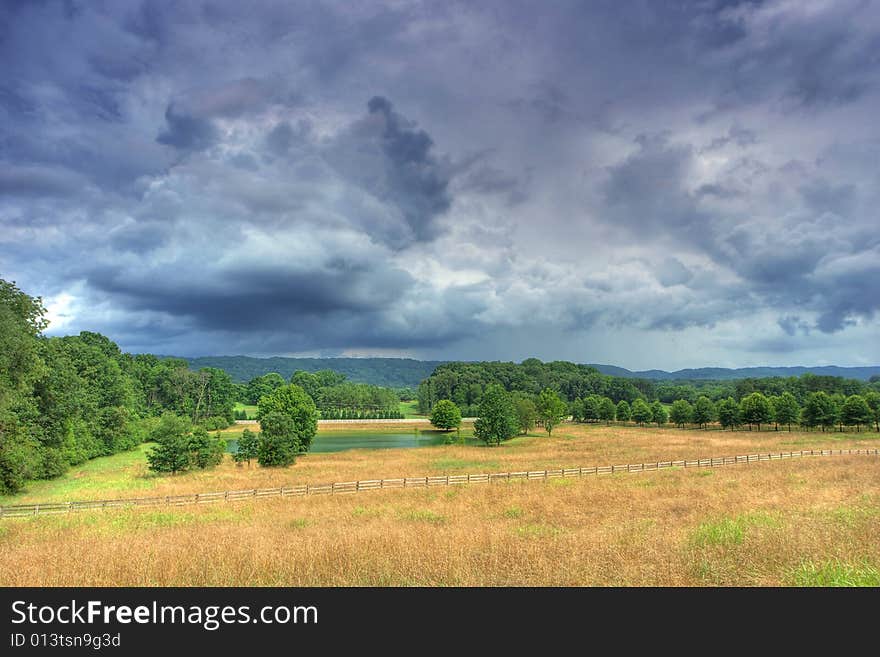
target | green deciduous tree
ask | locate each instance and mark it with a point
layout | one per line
(873, 399)
(641, 412)
(497, 419)
(728, 413)
(659, 416)
(526, 414)
(681, 413)
(607, 410)
(551, 409)
(819, 411)
(704, 411)
(446, 415)
(754, 409)
(786, 409)
(856, 412)
(623, 412)
(247, 447)
(172, 450)
(279, 441)
(205, 450)
(292, 401)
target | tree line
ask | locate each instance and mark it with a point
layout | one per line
(65, 400)
(335, 397)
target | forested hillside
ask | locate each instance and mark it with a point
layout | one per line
(386, 372)
(464, 384)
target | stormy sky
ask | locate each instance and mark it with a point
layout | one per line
(648, 184)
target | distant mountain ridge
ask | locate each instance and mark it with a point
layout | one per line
(408, 372)
(727, 374)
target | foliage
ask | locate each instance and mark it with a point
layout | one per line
(819, 411)
(856, 412)
(279, 440)
(659, 416)
(607, 409)
(497, 419)
(205, 450)
(385, 372)
(728, 413)
(292, 401)
(623, 413)
(681, 413)
(551, 409)
(704, 411)
(247, 447)
(526, 414)
(445, 415)
(172, 450)
(786, 409)
(755, 409)
(465, 383)
(641, 412)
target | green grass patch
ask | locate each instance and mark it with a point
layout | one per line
(410, 409)
(835, 573)
(298, 523)
(423, 515)
(729, 532)
(473, 467)
(537, 530)
(126, 471)
(250, 409)
(513, 512)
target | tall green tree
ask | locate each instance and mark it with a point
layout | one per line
(497, 419)
(641, 412)
(551, 409)
(856, 412)
(607, 410)
(659, 416)
(292, 401)
(172, 450)
(786, 409)
(446, 415)
(754, 409)
(873, 399)
(623, 412)
(704, 411)
(526, 414)
(819, 411)
(206, 451)
(247, 447)
(728, 413)
(279, 440)
(681, 413)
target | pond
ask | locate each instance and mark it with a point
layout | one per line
(338, 441)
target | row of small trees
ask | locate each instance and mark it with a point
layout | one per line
(502, 415)
(820, 410)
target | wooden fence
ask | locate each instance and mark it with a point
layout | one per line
(22, 510)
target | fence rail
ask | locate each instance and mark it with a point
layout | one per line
(22, 510)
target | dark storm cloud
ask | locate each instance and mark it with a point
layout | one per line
(274, 177)
(389, 156)
(187, 132)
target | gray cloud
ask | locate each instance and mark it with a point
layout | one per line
(583, 181)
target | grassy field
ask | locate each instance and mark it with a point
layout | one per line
(800, 522)
(250, 409)
(410, 409)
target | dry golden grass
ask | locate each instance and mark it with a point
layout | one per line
(763, 524)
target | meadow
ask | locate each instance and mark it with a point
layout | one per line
(793, 522)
